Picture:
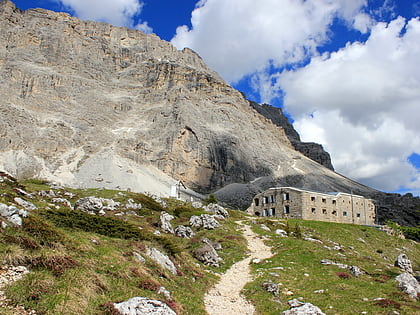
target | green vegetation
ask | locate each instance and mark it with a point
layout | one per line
(297, 266)
(81, 263)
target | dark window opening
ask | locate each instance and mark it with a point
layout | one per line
(345, 214)
(286, 196)
(313, 210)
(257, 213)
(324, 211)
(257, 202)
(334, 212)
(358, 215)
(286, 209)
(324, 200)
(312, 198)
(273, 199)
(334, 202)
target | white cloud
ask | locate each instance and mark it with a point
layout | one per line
(116, 12)
(237, 37)
(144, 27)
(362, 102)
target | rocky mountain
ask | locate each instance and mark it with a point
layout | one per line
(87, 104)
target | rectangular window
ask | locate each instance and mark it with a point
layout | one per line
(358, 215)
(334, 213)
(257, 202)
(286, 196)
(265, 212)
(324, 211)
(272, 212)
(312, 198)
(272, 199)
(265, 200)
(313, 210)
(286, 210)
(324, 200)
(344, 213)
(334, 202)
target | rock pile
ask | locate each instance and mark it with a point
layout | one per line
(142, 306)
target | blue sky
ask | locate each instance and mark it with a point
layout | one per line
(346, 71)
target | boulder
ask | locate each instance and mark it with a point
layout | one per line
(281, 232)
(184, 231)
(12, 214)
(91, 205)
(47, 193)
(217, 210)
(132, 205)
(408, 284)
(110, 204)
(404, 263)
(300, 308)
(62, 201)
(165, 222)
(271, 287)
(197, 204)
(143, 306)
(355, 271)
(214, 244)
(265, 227)
(208, 256)
(204, 221)
(25, 204)
(161, 259)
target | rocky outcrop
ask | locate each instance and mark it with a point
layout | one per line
(161, 259)
(312, 150)
(404, 263)
(12, 214)
(408, 284)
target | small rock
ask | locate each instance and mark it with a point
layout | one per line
(91, 205)
(25, 204)
(271, 287)
(47, 193)
(197, 204)
(12, 214)
(184, 231)
(142, 306)
(217, 210)
(355, 271)
(319, 291)
(265, 227)
(62, 201)
(281, 232)
(139, 257)
(208, 255)
(161, 259)
(310, 239)
(165, 293)
(300, 308)
(204, 221)
(165, 222)
(404, 263)
(132, 205)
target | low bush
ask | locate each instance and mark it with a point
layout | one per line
(56, 264)
(97, 224)
(42, 232)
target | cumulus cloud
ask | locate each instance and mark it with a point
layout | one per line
(116, 12)
(361, 103)
(237, 37)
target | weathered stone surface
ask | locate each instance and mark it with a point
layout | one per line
(12, 214)
(132, 205)
(217, 209)
(165, 222)
(161, 259)
(62, 201)
(408, 284)
(184, 231)
(271, 287)
(404, 263)
(300, 308)
(25, 204)
(208, 255)
(204, 221)
(281, 232)
(355, 271)
(143, 306)
(91, 205)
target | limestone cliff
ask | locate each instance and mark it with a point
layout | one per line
(91, 105)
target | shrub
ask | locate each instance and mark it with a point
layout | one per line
(45, 234)
(343, 275)
(149, 284)
(210, 199)
(97, 224)
(23, 241)
(170, 245)
(56, 264)
(385, 303)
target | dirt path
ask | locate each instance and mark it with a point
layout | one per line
(225, 298)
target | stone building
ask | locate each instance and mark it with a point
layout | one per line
(289, 202)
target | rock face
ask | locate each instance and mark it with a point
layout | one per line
(312, 150)
(404, 263)
(408, 284)
(86, 104)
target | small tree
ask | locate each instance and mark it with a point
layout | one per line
(210, 199)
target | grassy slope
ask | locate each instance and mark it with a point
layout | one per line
(370, 249)
(72, 275)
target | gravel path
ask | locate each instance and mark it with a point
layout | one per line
(225, 297)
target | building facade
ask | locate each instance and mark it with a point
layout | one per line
(290, 202)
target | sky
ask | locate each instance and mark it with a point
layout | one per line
(346, 72)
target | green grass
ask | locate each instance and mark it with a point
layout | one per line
(70, 274)
(302, 273)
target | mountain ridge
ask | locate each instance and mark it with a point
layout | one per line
(87, 104)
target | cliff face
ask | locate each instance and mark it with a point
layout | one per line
(312, 150)
(91, 105)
